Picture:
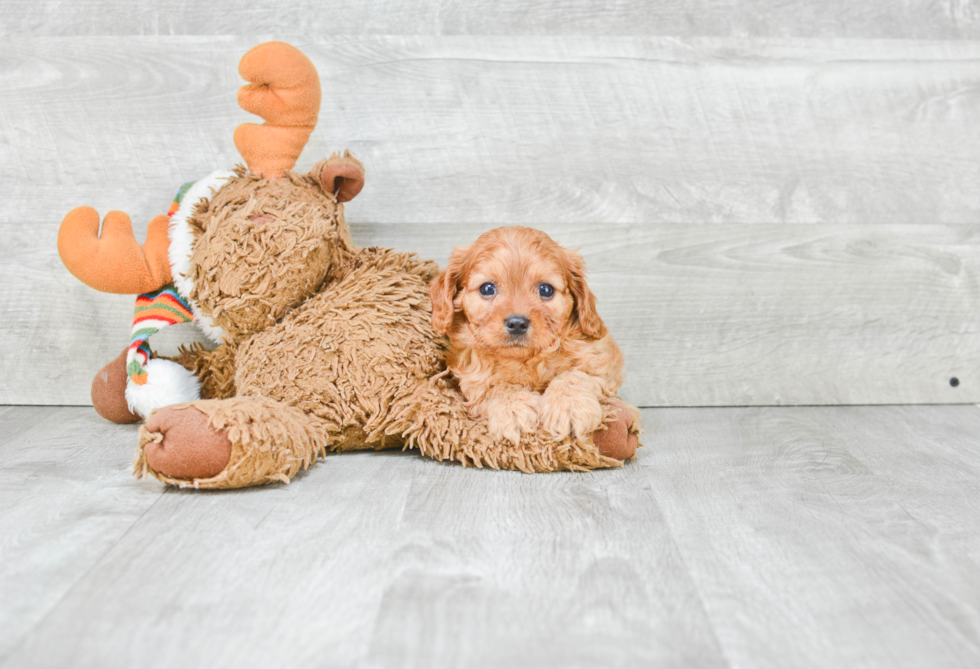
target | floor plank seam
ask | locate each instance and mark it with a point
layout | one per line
(687, 568)
(95, 563)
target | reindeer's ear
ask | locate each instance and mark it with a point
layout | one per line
(342, 175)
(585, 309)
(443, 288)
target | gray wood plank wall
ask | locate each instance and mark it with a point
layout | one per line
(918, 19)
(777, 205)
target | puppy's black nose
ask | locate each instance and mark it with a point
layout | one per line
(517, 325)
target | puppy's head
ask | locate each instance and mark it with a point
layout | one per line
(514, 292)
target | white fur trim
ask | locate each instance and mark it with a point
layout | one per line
(166, 383)
(182, 244)
(204, 323)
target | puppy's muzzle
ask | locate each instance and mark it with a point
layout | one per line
(517, 325)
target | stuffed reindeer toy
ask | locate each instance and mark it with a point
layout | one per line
(320, 345)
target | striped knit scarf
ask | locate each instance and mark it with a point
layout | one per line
(155, 311)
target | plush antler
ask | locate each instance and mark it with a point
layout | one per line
(114, 262)
(285, 92)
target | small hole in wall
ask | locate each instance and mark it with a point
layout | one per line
(954, 382)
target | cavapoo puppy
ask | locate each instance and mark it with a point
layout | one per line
(526, 343)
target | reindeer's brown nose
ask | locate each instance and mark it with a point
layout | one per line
(261, 219)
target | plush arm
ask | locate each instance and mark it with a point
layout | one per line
(215, 368)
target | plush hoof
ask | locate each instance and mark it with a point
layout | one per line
(184, 445)
(615, 441)
(109, 392)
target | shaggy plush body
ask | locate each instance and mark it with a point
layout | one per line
(353, 364)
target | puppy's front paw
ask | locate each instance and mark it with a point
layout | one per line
(510, 415)
(570, 405)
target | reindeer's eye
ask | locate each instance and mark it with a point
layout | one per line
(546, 291)
(488, 289)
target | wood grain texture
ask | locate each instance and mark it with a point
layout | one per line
(478, 581)
(823, 537)
(772, 314)
(706, 315)
(767, 221)
(938, 503)
(520, 130)
(946, 19)
(368, 560)
(66, 499)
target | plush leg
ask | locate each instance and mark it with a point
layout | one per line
(248, 441)
(184, 445)
(619, 437)
(214, 367)
(230, 443)
(109, 392)
(434, 420)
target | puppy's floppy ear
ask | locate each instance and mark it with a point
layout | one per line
(585, 309)
(442, 290)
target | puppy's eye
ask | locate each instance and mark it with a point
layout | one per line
(488, 290)
(546, 290)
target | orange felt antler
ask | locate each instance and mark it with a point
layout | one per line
(285, 92)
(114, 262)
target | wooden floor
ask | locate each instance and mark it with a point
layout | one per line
(774, 537)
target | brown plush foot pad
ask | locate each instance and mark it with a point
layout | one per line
(616, 441)
(185, 446)
(109, 392)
